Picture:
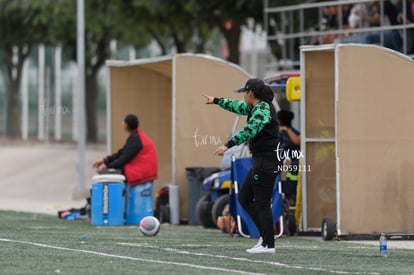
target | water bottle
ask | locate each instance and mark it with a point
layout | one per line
(383, 245)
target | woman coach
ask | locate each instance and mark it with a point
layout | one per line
(261, 131)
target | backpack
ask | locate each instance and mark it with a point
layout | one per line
(83, 213)
(162, 205)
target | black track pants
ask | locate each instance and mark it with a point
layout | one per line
(255, 195)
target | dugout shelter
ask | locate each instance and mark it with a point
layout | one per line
(357, 138)
(167, 95)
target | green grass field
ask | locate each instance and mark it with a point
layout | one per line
(43, 244)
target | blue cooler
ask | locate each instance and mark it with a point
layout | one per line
(139, 202)
(107, 200)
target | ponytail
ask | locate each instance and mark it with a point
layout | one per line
(267, 94)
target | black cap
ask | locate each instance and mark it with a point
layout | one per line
(254, 84)
(131, 121)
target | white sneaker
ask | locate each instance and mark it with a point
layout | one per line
(261, 249)
(259, 243)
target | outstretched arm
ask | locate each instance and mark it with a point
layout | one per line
(130, 149)
(235, 106)
(258, 120)
(98, 163)
(210, 99)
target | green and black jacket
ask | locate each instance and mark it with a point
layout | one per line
(261, 129)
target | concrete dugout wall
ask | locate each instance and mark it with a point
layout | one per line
(358, 139)
(167, 95)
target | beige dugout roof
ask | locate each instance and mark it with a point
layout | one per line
(167, 95)
(356, 131)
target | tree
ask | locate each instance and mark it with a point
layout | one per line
(99, 30)
(22, 26)
(189, 23)
(103, 22)
(229, 16)
(169, 23)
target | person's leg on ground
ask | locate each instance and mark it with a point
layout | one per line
(246, 199)
(263, 190)
(264, 177)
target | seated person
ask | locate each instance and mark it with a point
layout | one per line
(137, 159)
(406, 18)
(392, 39)
(289, 140)
(355, 20)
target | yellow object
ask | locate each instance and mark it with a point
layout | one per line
(226, 184)
(293, 88)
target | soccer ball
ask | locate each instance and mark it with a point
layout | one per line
(149, 226)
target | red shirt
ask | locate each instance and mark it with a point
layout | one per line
(137, 159)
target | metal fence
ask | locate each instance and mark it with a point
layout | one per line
(48, 96)
(289, 27)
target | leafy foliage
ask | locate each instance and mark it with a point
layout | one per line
(22, 25)
(185, 24)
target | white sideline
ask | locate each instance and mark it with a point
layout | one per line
(246, 259)
(130, 258)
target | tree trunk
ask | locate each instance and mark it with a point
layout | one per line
(91, 84)
(13, 126)
(232, 36)
(159, 41)
(91, 95)
(179, 43)
(201, 47)
(14, 75)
